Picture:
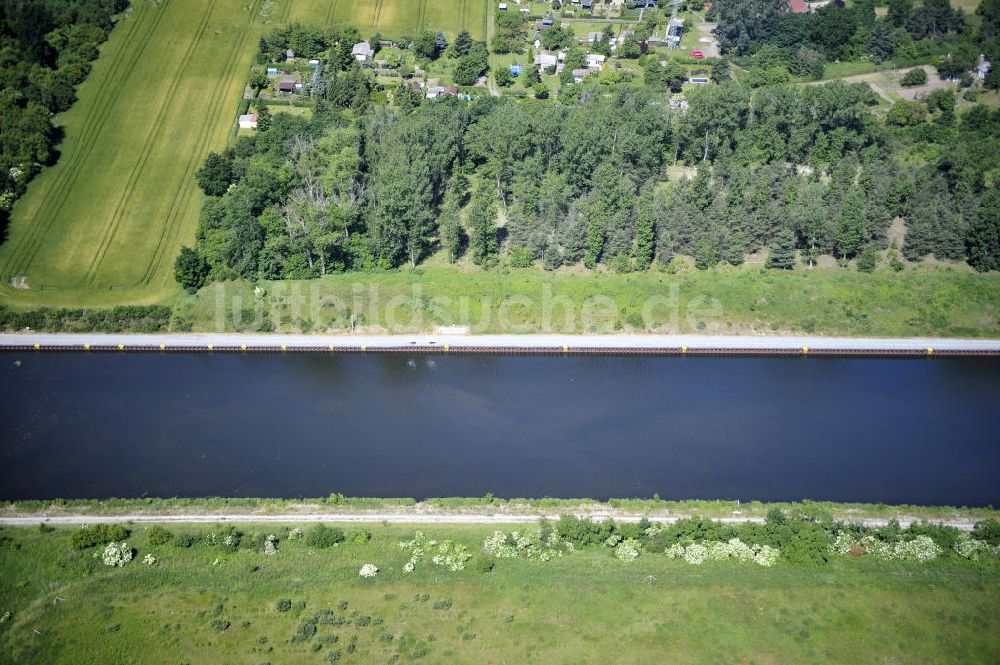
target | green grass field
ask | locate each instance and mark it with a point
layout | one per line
(825, 301)
(104, 225)
(586, 607)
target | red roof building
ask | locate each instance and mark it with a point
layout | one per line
(798, 6)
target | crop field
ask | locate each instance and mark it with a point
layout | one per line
(395, 18)
(104, 225)
(204, 603)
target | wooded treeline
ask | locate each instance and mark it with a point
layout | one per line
(784, 44)
(46, 47)
(788, 168)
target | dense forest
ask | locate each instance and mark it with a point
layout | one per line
(607, 174)
(808, 168)
(46, 48)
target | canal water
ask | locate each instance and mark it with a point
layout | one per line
(304, 425)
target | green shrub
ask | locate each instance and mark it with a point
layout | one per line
(322, 536)
(914, 77)
(484, 564)
(185, 540)
(442, 604)
(362, 620)
(98, 534)
(305, 631)
(220, 625)
(868, 259)
(332, 656)
(987, 530)
(157, 535)
(520, 257)
(361, 536)
(283, 605)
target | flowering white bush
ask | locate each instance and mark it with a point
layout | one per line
(528, 544)
(920, 548)
(418, 548)
(613, 540)
(368, 570)
(970, 548)
(269, 548)
(496, 545)
(733, 549)
(716, 550)
(843, 543)
(765, 555)
(408, 568)
(451, 555)
(115, 554)
(627, 550)
(695, 554)
(295, 534)
(149, 559)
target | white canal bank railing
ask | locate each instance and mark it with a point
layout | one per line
(517, 344)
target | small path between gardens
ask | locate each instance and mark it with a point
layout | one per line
(394, 517)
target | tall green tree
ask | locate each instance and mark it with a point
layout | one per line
(645, 231)
(482, 223)
(983, 243)
(450, 226)
(851, 226)
(190, 269)
(782, 254)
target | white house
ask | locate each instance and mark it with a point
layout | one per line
(545, 59)
(363, 51)
(595, 61)
(503, 6)
(248, 121)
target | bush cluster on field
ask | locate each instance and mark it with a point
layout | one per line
(123, 318)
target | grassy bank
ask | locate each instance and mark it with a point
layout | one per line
(924, 301)
(201, 604)
(490, 505)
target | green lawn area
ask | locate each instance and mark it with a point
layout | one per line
(585, 607)
(830, 301)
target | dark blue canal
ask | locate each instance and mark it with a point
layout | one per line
(874, 430)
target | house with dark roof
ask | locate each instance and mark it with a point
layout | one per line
(288, 84)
